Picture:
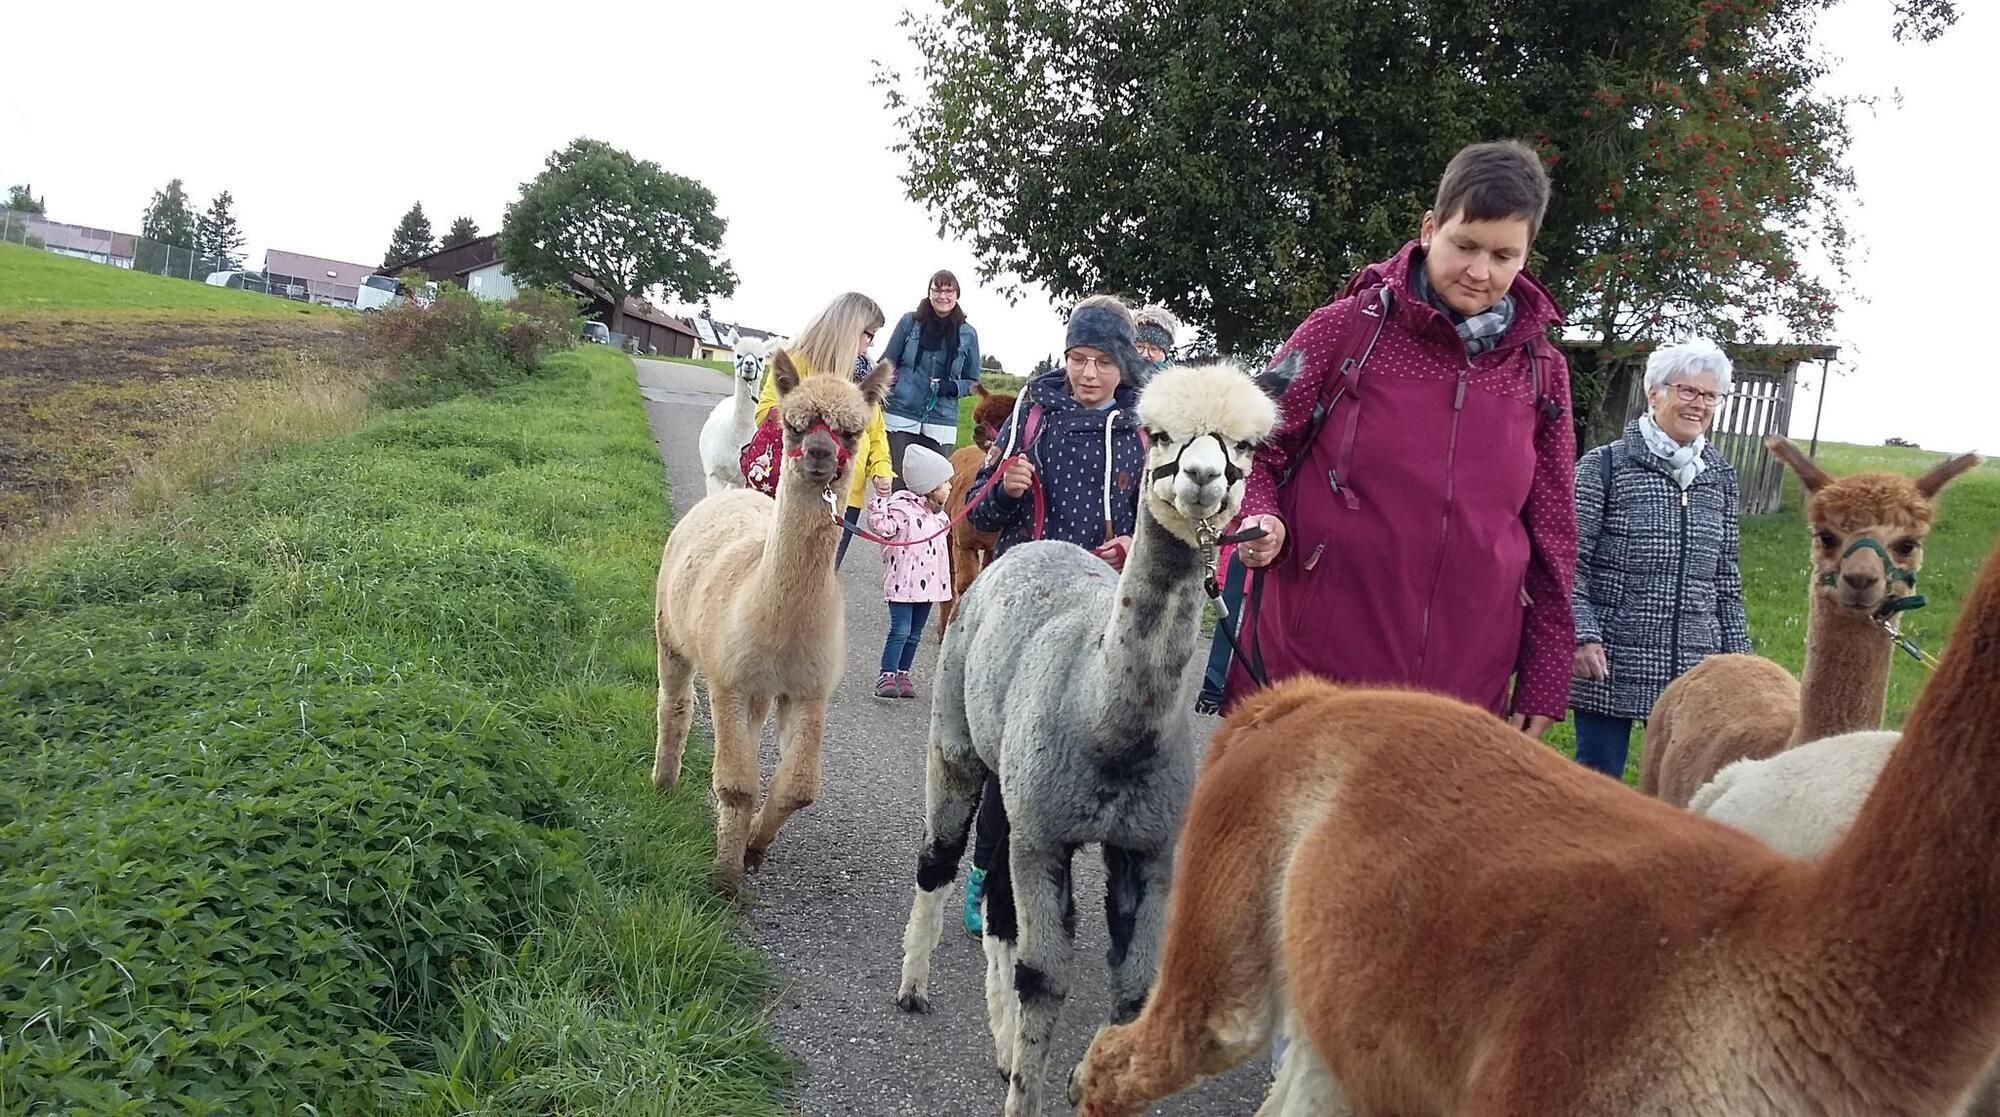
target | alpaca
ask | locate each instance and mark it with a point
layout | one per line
(1067, 680)
(1868, 534)
(971, 548)
(1801, 801)
(747, 595)
(1454, 919)
(731, 422)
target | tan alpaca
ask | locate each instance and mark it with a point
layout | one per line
(1738, 707)
(747, 595)
(1453, 919)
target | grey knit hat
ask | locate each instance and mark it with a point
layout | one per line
(1158, 325)
(1104, 329)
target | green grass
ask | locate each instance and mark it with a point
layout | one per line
(330, 790)
(32, 280)
(1776, 570)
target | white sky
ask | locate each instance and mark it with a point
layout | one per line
(327, 125)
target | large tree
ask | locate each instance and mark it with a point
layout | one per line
(462, 230)
(218, 238)
(167, 232)
(626, 223)
(1239, 159)
(22, 199)
(411, 239)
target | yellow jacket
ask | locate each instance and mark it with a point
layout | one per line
(873, 451)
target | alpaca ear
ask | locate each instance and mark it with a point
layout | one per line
(784, 373)
(1810, 475)
(1942, 473)
(1279, 376)
(979, 389)
(875, 386)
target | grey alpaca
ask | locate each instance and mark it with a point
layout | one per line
(1065, 679)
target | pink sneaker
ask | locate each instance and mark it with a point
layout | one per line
(886, 686)
(904, 687)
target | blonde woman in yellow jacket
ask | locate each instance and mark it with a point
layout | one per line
(839, 337)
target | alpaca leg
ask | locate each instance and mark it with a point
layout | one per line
(1303, 1087)
(794, 786)
(674, 715)
(1135, 910)
(735, 781)
(950, 791)
(1041, 887)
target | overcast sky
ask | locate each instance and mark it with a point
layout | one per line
(327, 125)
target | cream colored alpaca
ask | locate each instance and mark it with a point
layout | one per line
(747, 595)
(1456, 920)
(1868, 532)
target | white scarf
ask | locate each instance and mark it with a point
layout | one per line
(1683, 463)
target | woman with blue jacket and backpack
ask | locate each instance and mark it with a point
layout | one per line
(936, 354)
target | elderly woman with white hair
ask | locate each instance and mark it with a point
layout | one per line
(1657, 585)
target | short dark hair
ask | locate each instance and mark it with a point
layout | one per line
(944, 278)
(1492, 182)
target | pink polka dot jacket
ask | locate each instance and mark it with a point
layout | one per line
(917, 573)
(1431, 523)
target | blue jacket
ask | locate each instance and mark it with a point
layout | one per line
(925, 390)
(1068, 456)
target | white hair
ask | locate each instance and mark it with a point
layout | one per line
(1671, 363)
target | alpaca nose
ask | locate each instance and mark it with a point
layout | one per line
(1200, 474)
(1860, 581)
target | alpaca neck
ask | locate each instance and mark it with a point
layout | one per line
(798, 549)
(1845, 684)
(1905, 905)
(1154, 626)
(744, 406)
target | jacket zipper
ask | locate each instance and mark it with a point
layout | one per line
(1444, 520)
(1680, 581)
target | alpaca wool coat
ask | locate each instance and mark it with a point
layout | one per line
(1657, 580)
(916, 573)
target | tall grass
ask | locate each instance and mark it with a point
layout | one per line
(331, 786)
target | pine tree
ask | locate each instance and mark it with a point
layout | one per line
(462, 230)
(167, 234)
(219, 237)
(411, 239)
(23, 198)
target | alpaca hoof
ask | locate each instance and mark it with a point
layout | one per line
(665, 781)
(913, 1001)
(753, 858)
(729, 883)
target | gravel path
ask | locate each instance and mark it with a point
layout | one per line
(828, 908)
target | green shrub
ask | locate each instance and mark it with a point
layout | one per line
(458, 342)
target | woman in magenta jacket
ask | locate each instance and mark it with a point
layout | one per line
(1422, 532)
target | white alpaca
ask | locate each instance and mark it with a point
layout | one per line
(1800, 802)
(729, 426)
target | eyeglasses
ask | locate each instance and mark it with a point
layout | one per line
(944, 290)
(1079, 363)
(1688, 393)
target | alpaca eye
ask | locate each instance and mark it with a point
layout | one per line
(1245, 446)
(1826, 539)
(1906, 547)
(1161, 437)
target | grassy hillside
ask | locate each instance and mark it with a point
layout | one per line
(328, 792)
(33, 280)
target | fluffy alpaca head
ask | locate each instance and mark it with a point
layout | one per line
(1868, 528)
(750, 355)
(823, 417)
(989, 414)
(1202, 423)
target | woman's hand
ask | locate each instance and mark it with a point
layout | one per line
(881, 484)
(1590, 663)
(1115, 551)
(1262, 552)
(1534, 725)
(1018, 477)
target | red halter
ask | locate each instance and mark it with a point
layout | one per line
(799, 451)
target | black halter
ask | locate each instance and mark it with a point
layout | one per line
(1231, 472)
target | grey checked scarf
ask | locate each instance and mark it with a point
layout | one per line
(1481, 331)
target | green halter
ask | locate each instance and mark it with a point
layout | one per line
(1892, 605)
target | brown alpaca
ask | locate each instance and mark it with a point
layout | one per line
(971, 549)
(747, 595)
(1453, 919)
(1739, 707)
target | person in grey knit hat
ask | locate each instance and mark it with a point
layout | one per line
(1158, 329)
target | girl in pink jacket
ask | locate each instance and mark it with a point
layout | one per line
(917, 576)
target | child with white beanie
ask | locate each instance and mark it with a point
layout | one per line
(915, 576)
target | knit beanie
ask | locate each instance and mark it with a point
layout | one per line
(924, 469)
(1107, 331)
(1158, 325)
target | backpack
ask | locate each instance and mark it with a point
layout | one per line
(764, 455)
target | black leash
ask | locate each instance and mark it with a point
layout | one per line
(1255, 667)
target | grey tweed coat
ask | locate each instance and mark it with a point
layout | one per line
(1657, 581)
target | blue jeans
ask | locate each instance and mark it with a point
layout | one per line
(906, 631)
(853, 514)
(1601, 742)
(1218, 649)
